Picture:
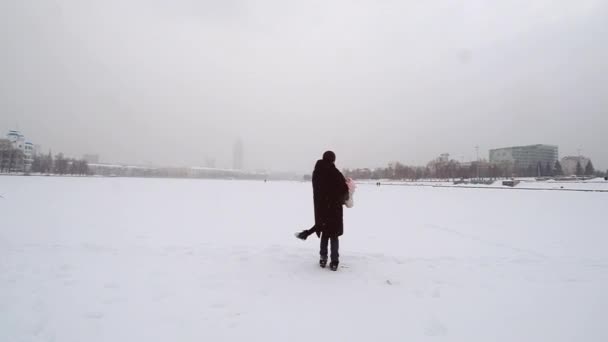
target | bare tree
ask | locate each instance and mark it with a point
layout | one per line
(557, 170)
(579, 168)
(589, 169)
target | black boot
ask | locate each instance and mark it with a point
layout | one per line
(333, 265)
(302, 235)
(323, 263)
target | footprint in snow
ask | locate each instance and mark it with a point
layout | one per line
(218, 305)
(94, 315)
(435, 328)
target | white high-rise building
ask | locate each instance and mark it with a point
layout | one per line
(18, 141)
(16, 138)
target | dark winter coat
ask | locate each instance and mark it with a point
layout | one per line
(329, 193)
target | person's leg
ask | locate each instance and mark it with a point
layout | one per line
(323, 249)
(311, 231)
(335, 246)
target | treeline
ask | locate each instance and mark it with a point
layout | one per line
(11, 159)
(59, 165)
(393, 171)
(448, 170)
(452, 169)
(14, 160)
(588, 171)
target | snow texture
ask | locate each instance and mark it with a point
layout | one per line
(124, 259)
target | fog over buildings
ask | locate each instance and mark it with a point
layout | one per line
(178, 82)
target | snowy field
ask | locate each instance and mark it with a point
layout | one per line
(119, 259)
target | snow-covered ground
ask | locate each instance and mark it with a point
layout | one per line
(124, 259)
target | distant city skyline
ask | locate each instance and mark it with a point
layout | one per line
(238, 155)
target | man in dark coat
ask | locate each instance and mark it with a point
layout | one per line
(329, 193)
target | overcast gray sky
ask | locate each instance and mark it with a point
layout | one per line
(176, 81)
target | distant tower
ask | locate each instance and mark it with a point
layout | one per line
(237, 155)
